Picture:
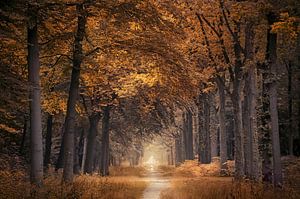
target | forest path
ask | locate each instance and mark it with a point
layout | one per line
(157, 183)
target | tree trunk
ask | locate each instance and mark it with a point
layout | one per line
(171, 155)
(252, 104)
(25, 128)
(73, 94)
(83, 153)
(97, 156)
(204, 129)
(60, 160)
(178, 153)
(238, 130)
(272, 58)
(246, 127)
(290, 109)
(223, 134)
(213, 127)
(91, 142)
(264, 129)
(104, 164)
(188, 135)
(36, 138)
(76, 166)
(255, 157)
(48, 141)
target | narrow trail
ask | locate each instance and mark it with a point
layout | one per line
(157, 183)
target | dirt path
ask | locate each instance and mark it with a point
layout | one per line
(157, 183)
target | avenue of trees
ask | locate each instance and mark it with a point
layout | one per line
(85, 83)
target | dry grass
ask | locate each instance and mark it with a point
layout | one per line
(166, 170)
(191, 168)
(127, 171)
(224, 188)
(16, 185)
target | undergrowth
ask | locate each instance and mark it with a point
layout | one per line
(224, 188)
(15, 185)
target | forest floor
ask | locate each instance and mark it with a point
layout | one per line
(189, 181)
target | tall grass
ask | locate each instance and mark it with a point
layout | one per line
(224, 188)
(15, 185)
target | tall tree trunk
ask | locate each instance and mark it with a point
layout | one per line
(255, 157)
(223, 134)
(272, 58)
(83, 153)
(60, 160)
(25, 128)
(185, 135)
(97, 155)
(246, 128)
(238, 130)
(105, 142)
(207, 129)
(76, 166)
(290, 109)
(188, 135)
(91, 142)
(48, 141)
(171, 155)
(265, 138)
(252, 104)
(73, 94)
(213, 126)
(36, 138)
(178, 153)
(204, 134)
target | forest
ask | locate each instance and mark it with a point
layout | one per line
(170, 99)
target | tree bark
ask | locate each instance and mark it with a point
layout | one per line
(238, 130)
(73, 94)
(48, 143)
(91, 142)
(188, 135)
(36, 145)
(60, 160)
(25, 128)
(178, 153)
(76, 166)
(264, 129)
(171, 155)
(223, 134)
(246, 127)
(290, 109)
(272, 58)
(213, 126)
(204, 128)
(104, 164)
(255, 157)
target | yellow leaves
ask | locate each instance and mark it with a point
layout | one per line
(7, 128)
(135, 26)
(54, 102)
(169, 17)
(287, 25)
(130, 84)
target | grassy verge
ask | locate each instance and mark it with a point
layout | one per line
(16, 185)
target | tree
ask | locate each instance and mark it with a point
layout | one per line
(36, 145)
(272, 59)
(73, 94)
